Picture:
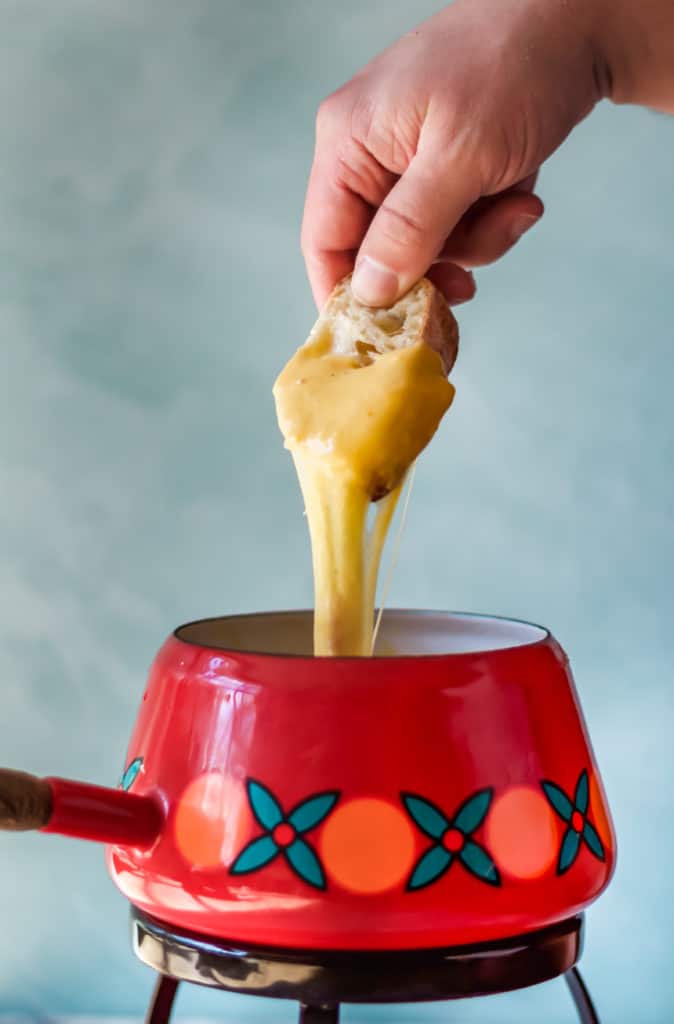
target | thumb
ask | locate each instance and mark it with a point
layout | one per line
(410, 228)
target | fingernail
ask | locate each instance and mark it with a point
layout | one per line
(373, 283)
(522, 224)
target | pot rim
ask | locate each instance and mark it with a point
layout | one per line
(540, 636)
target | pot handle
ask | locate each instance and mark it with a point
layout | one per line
(25, 801)
(78, 809)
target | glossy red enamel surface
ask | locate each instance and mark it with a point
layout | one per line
(363, 735)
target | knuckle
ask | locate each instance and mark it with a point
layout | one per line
(358, 171)
(399, 226)
(330, 111)
(363, 116)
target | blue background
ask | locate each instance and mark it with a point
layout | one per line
(153, 158)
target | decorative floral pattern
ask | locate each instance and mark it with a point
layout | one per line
(574, 814)
(452, 839)
(131, 773)
(284, 834)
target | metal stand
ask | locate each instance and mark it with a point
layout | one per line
(159, 1010)
(321, 981)
(581, 997)
(319, 1015)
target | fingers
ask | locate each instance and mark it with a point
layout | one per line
(456, 284)
(491, 228)
(346, 185)
(395, 228)
(335, 221)
(410, 227)
(526, 184)
(486, 232)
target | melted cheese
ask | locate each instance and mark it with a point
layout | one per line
(354, 424)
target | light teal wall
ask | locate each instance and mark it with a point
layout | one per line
(153, 158)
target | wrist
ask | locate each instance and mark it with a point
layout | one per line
(634, 47)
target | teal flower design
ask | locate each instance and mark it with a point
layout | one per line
(284, 834)
(130, 774)
(452, 839)
(574, 814)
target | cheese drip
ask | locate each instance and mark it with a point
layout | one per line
(345, 556)
(354, 422)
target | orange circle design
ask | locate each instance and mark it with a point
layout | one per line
(368, 845)
(210, 820)
(522, 833)
(598, 814)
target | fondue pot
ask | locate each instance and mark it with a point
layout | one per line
(442, 794)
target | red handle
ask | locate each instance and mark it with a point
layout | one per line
(103, 815)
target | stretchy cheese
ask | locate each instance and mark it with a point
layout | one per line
(356, 404)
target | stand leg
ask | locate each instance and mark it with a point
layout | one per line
(159, 1010)
(319, 1014)
(581, 997)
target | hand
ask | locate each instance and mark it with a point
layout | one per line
(431, 152)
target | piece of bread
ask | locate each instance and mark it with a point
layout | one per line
(367, 390)
(420, 315)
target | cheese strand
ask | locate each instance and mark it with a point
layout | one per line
(394, 556)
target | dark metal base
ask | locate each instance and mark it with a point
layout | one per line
(581, 997)
(321, 980)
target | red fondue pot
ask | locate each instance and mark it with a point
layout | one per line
(444, 795)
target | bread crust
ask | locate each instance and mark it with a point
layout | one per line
(441, 331)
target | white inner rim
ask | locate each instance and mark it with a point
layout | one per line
(402, 633)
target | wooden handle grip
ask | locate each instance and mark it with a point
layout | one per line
(25, 801)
